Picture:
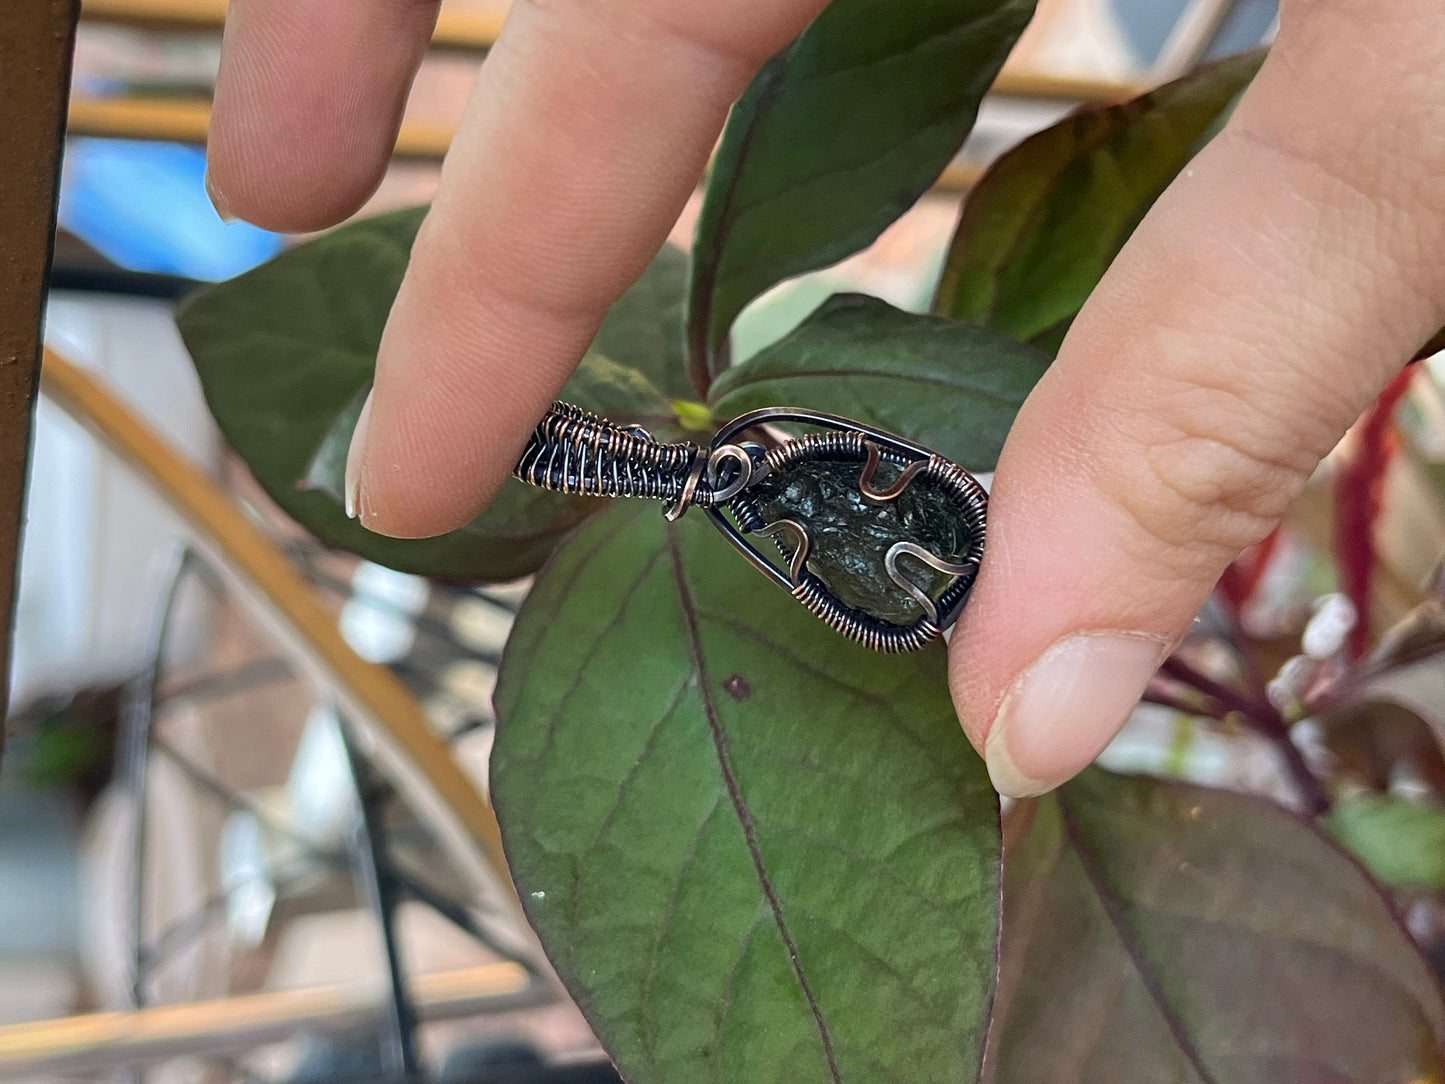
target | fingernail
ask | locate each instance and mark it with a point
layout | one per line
(355, 452)
(218, 201)
(1061, 711)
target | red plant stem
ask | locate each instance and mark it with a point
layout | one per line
(1243, 645)
(1236, 700)
(1264, 718)
(1206, 706)
(1358, 488)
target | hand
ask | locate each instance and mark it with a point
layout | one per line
(1271, 293)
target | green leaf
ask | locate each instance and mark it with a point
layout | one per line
(1401, 842)
(836, 137)
(1167, 932)
(644, 329)
(327, 470)
(754, 851)
(618, 392)
(286, 353)
(1043, 224)
(949, 386)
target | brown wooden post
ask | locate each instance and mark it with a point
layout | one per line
(36, 37)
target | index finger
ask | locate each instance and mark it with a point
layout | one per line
(588, 128)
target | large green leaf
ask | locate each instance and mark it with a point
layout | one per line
(1044, 223)
(754, 851)
(286, 352)
(836, 137)
(949, 386)
(1159, 931)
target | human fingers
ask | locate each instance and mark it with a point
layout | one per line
(1263, 303)
(588, 128)
(308, 101)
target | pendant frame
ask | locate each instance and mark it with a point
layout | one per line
(850, 441)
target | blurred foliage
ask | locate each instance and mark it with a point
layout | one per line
(1043, 224)
(1401, 842)
(1174, 932)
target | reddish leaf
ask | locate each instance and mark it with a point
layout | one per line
(1158, 931)
(1241, 579)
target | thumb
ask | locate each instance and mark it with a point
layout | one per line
(1256, 312)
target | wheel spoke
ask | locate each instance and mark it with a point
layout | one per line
(453, 910)
(207, 782)
(381, 886)
(471, 726)
(180, 933)
(248, 677)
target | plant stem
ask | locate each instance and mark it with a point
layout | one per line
(1349, 685)
(1241, 641)
(1264, 718)
(1205, 706)
(1237, 700)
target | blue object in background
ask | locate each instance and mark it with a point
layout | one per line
(144, 206)
(1147, 25)
(1243, 28)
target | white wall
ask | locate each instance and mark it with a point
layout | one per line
(96, 540)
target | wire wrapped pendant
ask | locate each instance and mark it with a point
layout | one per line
(878, 537)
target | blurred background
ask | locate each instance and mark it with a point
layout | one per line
(278, 857)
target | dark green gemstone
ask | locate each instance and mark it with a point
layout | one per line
(851, 537)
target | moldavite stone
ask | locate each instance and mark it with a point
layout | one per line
(851, 537)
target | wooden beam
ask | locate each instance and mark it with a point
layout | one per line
(467, 31)
(1019, 83)
(472, 32)
(186, 120)
(1198, 25)
(36, 37)
(101, 1041)
(176, 120)
(958, 178)
(205, 15)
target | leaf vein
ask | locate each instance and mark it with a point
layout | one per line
(584, 667)
(665, 923)
(744, 814)
(726, 1003)
(1166, 1008)
(864, 863)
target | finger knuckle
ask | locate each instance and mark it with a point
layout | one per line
(1212, 476)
